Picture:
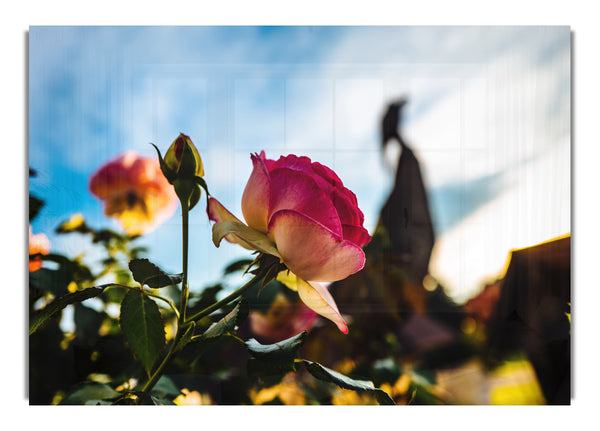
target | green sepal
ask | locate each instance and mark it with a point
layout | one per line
(167, 172)
(202, 183)
(194, 197)
(184, 189)
(188, 164)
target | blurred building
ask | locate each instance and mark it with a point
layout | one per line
(533, 315)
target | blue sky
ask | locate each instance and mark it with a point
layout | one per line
(488, 117)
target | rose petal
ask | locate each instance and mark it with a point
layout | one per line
(327, 174)
(283, 320)
(347, 209)
(356, 234)
(218, 213)
(316, 297)
(311, 251)
(255, 200)
(243, 235)
(298, 191)
(289, 279)
(292, 161)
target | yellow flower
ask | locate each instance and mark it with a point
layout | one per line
(346, 397)
(192, 398)
(288, 392)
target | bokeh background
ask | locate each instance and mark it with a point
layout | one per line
(488, 118)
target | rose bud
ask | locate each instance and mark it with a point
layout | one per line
(183, 158)
(183, 168)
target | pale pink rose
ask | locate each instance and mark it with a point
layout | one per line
(283, 320)
(135, 192)
(301, 212)
(38, 243)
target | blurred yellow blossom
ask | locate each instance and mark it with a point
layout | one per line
(288, 392)
(346, 397)
(400, 387)
(192, 398)
(128, 385)
(74, 223)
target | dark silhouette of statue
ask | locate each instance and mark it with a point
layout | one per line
(389, 310)
(405, 216)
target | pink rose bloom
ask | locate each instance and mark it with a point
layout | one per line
(38, 243)
(301, 212)
(283, 320)
(135, 192)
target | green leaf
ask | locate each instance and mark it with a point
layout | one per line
(60, 303)
(35, 205)
(78, 270)
(52, 281)
(228, 323)
(135, 398)
(275, 358)
(105, 236)
(142, 327)
(162, 401)
(90, 394)
(322, 373)
(165, 387)
(87, 322)
(145, 272)
(75, 224)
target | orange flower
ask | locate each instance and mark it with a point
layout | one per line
(38, 243)
(135, 192)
